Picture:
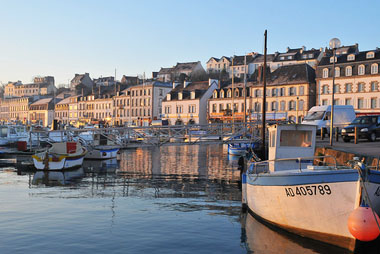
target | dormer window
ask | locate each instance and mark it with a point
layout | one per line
(168, 97)
(351, 57)
(311, 55)
(180, 95)
(221, 94)
(215, 94)
(282, 58)
(229, 94)
(192, 95)
(304, 56)
(370, 55)
(332, 59)
(289, 57)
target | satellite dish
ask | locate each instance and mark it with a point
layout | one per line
(334, 43)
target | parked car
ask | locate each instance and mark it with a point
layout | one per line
(368, 127)
(321, 115)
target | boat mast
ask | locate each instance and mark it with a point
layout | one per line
(245, 91)
(264, 97)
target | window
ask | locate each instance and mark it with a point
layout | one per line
(215, 94)
(336, 101)
(301, 90)
(274, 106)
(370, 55)
(192, 108)
(348, 101)
(336, 89)
(348, 88)
(160, 92)
(236, 108)
(289, 57)
(361, 70)
(236, 92)
(292, 105)
(167, 109)
(325, 73)
(332, 59)
(274, 92)
(325, 89)
(337, 72)
(179, 96)
(282, 91)
(374, 69)
(257, 106)
(257, 93)
(311, 55)
(300, 105)
(229, 94)
(292, 91)
(373, 103)
(221, 93)
(351, 57)
(214, 108)
(179, 109)
(324, 102)
(361, 87)
(374, 86)
(282, 105)
(221, 107)
(360, 103)
(348, 71)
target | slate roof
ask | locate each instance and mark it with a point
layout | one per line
(198, 87)
(165, 71)
(292, 74)
(359, 57)
(298, 54)
(185, 66)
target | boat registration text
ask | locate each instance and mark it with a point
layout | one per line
(308, 190)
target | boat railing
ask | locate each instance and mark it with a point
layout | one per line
(262, 166)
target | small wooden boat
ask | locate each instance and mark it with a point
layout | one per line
(62, 155)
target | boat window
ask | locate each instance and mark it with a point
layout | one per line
(315, 115)
(3, 132)
(12, 131)
(295, 138)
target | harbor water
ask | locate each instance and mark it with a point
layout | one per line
(168, 199)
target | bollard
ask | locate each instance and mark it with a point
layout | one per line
(337, 134)
(356, 135)
(322, 134)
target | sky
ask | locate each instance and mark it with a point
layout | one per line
(61, 38)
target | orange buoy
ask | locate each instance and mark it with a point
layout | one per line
(362, 224)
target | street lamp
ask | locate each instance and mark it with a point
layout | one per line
(334, 44)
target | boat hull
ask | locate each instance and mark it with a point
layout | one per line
(312, 204)
(102, 153)
(58, 162)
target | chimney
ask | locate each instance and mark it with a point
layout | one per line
(213, 81)
(303, 48)
(287, 49)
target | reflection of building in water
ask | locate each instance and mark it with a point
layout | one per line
(201, 161)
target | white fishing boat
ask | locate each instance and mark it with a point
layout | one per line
(62, 155)
(10, 134)
(102, 152)
(321, 202)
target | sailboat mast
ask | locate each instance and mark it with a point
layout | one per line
(264, 97)
(245, 91)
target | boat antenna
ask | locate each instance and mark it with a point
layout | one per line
(264, 97)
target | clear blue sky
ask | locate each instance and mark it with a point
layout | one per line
(61, 38)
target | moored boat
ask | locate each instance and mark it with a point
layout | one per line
(102, 152)
(62, 155)
(292, 191)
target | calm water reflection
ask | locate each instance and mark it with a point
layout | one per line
(170, 199)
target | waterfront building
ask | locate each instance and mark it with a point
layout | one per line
(18, 109)
(297, 56)
(101, 109)
(130, 80)
(41, 86)
(41, 112)
(290, 94)
(357, 79)
(73, 110)
(187, 102)
(105, 81)
(140, 104)
(81, 81)
(181, 70)
(62, 111)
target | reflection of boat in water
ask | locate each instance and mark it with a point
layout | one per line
(109, 165)
(57, 178)
(315, 201)
(62, 155)
(259, 238)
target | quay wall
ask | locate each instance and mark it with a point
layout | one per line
(343, 156)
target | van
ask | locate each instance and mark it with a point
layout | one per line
(320, 116)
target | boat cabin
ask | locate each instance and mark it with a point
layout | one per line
(291, 141)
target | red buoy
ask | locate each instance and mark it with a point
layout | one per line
(362, 224)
